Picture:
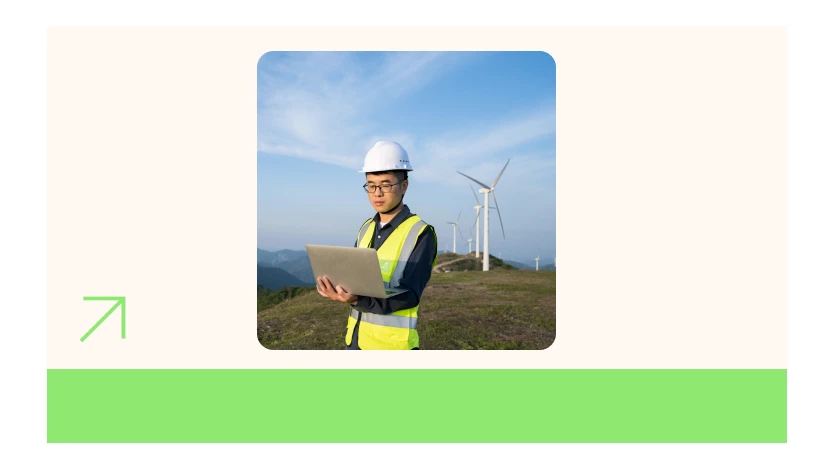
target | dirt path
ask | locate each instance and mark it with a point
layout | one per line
(438, 266)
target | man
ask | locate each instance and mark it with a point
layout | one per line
(407, 251)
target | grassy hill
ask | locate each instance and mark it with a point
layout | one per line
(498, 309)
(454, 262)
(268, 297)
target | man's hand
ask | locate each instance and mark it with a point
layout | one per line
(338, 293)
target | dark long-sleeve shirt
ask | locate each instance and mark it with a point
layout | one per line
(415, 276)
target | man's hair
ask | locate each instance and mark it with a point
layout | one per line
(400, 174)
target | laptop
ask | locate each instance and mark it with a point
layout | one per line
(355, 269)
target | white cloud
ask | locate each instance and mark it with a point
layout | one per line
(481, 140)
(314, 104)
(483, 149)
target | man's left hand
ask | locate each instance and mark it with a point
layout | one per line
(337, 293)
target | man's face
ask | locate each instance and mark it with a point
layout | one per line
(385, 201)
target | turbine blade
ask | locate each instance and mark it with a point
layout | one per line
(499, 213)
(477, 201)
(499, 174)
(461, 233)
(459, 213)
(473, 179)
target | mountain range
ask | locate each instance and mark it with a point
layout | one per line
(277, 278)
(542, 267)
(293, 262)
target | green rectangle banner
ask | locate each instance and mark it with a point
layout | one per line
(417, 405)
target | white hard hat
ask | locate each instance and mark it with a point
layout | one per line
(384, 156)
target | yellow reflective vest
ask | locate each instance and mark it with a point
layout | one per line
(397, 330)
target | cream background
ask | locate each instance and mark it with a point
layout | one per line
(671, 200)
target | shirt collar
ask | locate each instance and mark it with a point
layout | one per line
(397, 220)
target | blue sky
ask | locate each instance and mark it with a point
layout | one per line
(320, 112)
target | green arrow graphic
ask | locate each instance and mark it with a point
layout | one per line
(119, 301)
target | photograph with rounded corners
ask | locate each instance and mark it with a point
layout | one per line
(406, 200)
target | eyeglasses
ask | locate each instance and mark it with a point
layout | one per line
(385, 187)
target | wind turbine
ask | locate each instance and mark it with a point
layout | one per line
(470, 240)
(486, 190)
(454, 235)
(537, 261)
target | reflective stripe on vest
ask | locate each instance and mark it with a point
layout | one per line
(408, 248)
(397, 321)
(368, 223)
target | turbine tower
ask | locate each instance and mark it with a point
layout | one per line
(454, 235)
(537, 261)
(477, 223)
(486, 190)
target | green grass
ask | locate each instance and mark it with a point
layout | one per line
(268, 297)
(498, 309)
